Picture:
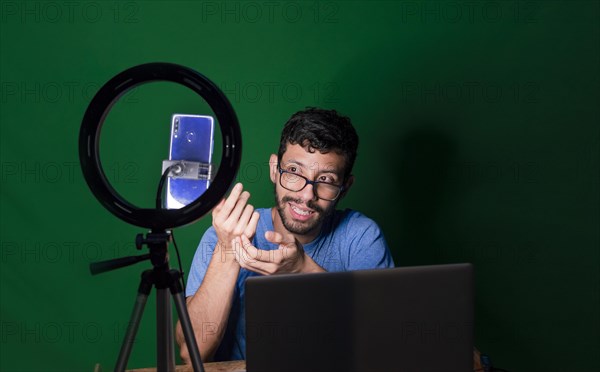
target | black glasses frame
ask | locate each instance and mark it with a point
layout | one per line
(309, 182)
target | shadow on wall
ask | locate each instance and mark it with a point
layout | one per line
(407, 152)
(424, 158)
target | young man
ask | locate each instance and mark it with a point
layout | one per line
(302, 233)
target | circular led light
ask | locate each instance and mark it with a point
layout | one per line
(89, 139)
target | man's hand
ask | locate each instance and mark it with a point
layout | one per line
(210, 306)
(288, 258)
(233, 217)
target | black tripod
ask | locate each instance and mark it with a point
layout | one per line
(163, 279)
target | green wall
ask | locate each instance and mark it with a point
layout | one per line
(479, 142)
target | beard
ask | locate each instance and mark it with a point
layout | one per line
(301, 228)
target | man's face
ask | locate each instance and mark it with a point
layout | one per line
(302, 212)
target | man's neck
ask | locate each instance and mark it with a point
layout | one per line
(302, 238)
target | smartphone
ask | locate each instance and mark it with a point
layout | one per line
(191, 140)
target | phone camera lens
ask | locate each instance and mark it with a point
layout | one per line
(176, 127)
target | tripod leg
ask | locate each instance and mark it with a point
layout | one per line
(165, 351)
(186, 324)
(134, 322)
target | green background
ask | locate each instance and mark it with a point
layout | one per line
(480, 142)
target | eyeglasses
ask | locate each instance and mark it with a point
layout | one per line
(295, 182)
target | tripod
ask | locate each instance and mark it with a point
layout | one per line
(164, 279)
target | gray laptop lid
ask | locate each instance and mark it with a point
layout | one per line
(402, 319)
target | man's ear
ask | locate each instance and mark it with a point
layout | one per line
(347, 185)
(273, 167)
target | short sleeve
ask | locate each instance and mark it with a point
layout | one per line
(368, 247)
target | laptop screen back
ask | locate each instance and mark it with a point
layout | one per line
(403, 319)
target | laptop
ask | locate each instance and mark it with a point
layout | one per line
(402, 319)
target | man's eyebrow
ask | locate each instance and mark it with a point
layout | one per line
(321, 170)
(294, 161)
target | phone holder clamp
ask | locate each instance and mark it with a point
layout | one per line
(190, 170)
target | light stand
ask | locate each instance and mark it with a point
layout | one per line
(164, 279)
(158, 220)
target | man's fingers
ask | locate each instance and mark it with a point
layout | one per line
(232, 199)
(236, 213)
(277, 238)
(251, 228)
(218, 208)
(274, 237)
(266, 262)
(241, 255)
(249, 249)
(236, 244)
(252, 253)
(245, 217)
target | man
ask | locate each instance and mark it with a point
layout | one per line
(302, 233)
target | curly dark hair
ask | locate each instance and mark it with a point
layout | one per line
(321, 130)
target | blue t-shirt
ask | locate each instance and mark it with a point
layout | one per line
(348, 241)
